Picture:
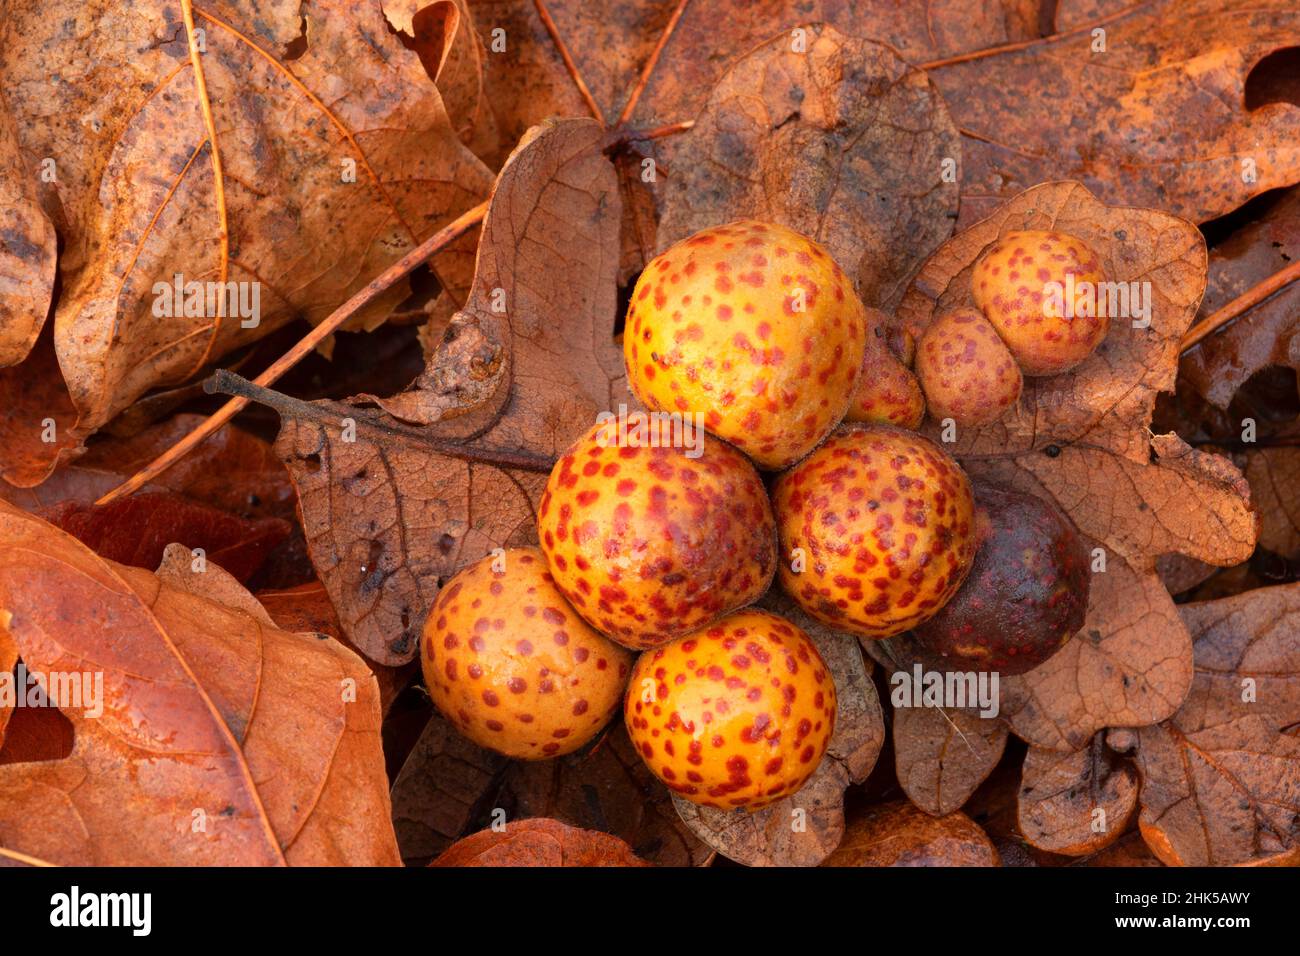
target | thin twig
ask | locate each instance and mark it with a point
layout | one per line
(644, 79)
(380, 284)
(1241, 304)
(655, 132)
(1025, 44)
(384, 432)
(569, 65)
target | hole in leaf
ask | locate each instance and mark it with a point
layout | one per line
(1274, 79)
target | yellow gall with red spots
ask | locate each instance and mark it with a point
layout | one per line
(753, 326)
(738, 714)
(877, 530)
(647, 542)
(968, 373)
(513, 667)
(887, 392)
(1040, 290)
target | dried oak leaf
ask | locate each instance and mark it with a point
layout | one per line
(8, 658)
(611, 45)
(1269, 334)
(449, 785)
(540, 842)
(28, 249)
(307, 607)
(806, 827)
(1220, 778)
(898, 834)
(1118, 119)
(136, 530)
(303, 150)
(1076, 803)
(941, 756)
(1083, 440)
(1274, 476)
(842, 141)
(210, 717)
(523, 368)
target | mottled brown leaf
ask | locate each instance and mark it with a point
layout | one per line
(209, 716)
(1274, 476)
(803, 829)
(941, 756)
(539, 842)
(842, 141)
(898, 834)
(1061, 794)
(1158, 118)
(248, 183)
(1083, 439)
(1220, 781)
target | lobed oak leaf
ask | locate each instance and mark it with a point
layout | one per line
(222, 740)
(839, 139)
(1083, 439)
(539, 842)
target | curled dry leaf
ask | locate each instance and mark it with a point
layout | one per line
(898, 834)
(259, 746)
(28, 249)
(1117, 118)
(299, 154)
(523, 368)
(540, 842)
(1076, 803)
(1269, 334)
(1083, 440)
(841, 140)
(1220, 779)
(941, 756)
(803, 829)
(448, 785)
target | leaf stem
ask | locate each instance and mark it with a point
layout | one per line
(378, 285)
(644, 79)
(1241, 304)
(569, 64)
(1025, 44)
(229, 383)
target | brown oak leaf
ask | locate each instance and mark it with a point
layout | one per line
(898, 834)
(1083, 439)
(299, 152)
(1112, 110)
(839, 139)
(221, 740)
(1076, 803)
(806, 827)
(1220, 778)
(539, 842)
(941, 756)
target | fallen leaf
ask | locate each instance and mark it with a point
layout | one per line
(1128, 850)
(806, 827)
(300, 153)
(1083, 440)
(308, 608)
(8, 658)
(1076, 803)
(942, 756)
(841, 141)
(1117, 118)
(1220, 780)
(1274, 476)
(1266, 335)
(28, 249)
(136, 530)
(37, 417)
(898, 834)
(238, 744)
(539, 842)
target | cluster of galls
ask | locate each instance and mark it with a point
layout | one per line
(660, 547)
